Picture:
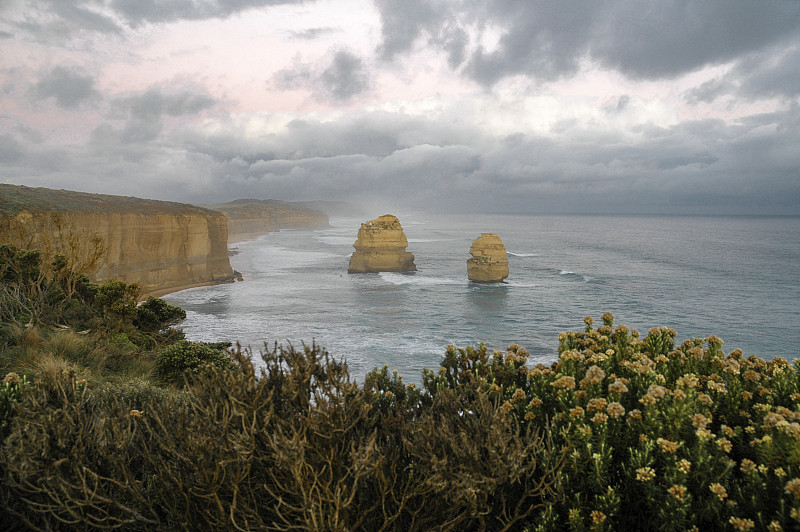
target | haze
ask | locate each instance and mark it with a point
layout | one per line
(687, 107)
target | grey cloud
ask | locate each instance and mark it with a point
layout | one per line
(344, 78)
(312, 33)
(698, 166)
(146, 111)
(547, 40)
(136, 12)
(68, 86)
(6, 35)
(11, 150)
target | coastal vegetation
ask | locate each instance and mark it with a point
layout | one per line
(110, 418)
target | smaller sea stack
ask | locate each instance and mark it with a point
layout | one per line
(489, 262)
(381, 247)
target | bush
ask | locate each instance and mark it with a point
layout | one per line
(621, 433)
(186, 358)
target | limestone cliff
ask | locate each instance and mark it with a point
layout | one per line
(163, 246)
(248, 218)
(381, 247)
(489, 262)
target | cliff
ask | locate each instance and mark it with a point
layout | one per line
(248, 218)
(489, 262)
(381, 247)
(162, 246)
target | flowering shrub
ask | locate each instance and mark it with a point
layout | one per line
(657, 436)
(621, 433)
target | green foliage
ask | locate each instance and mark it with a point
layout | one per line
(116, 301)
(186, 358)
(621, 433)
(10, 393)
(155, 315)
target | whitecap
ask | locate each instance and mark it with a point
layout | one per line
(522, 255)
(417, 279)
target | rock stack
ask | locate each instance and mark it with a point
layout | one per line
(381, 247)
(489, 262)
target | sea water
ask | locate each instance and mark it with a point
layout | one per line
(736, 277)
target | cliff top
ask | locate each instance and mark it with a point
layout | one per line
(249, 205)
(16, 198)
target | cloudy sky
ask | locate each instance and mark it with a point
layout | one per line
(489, 105)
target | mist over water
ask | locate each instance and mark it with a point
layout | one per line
(736, 277)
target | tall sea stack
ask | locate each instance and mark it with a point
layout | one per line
(381, 247)
(489, 262)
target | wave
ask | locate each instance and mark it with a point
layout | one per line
(336, 240)
(572, 275)
(522, 254)
(417, 279)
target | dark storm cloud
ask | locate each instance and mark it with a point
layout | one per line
(59, 20)
(145, 112)
(68, 86)
(345, 77)
(654, 39)
(700, 166)
(136, 12)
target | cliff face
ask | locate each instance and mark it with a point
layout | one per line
(163, 246)
(381, 247)
(248, 218)
(489, 262)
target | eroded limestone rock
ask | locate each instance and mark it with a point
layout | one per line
(489, 262)
(381, 247)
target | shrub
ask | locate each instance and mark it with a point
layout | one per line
(155, 315)
(186, 358)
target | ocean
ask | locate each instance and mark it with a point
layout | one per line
(735, 277)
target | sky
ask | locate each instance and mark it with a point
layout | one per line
(507, 106)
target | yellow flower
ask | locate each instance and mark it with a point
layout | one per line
(635, 414)
(576, 412)
(748, 466)
(741, 524)
(648, 400)
(658, 392)
(566, 382)
(704, 434)
(700, 421)
(518, 396)
(677, 491)
(135, 413)
(719, 490)
(615, 410)
(535, 402)
(598, 517)
(12, 379)
(684, 465)
(530, 416)
(600, 417)
(595, 375)
(597, 403)
(667, 446)
(751, 376)
(704, 398)
(780, 473)
(724, 444)
(617, 387)
(506, 407)
(644, 474)
(774, 526)
(793, 488)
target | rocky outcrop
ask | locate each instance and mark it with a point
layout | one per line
(489, 262)
(162, 246)
(381, 247)
(248, 218)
